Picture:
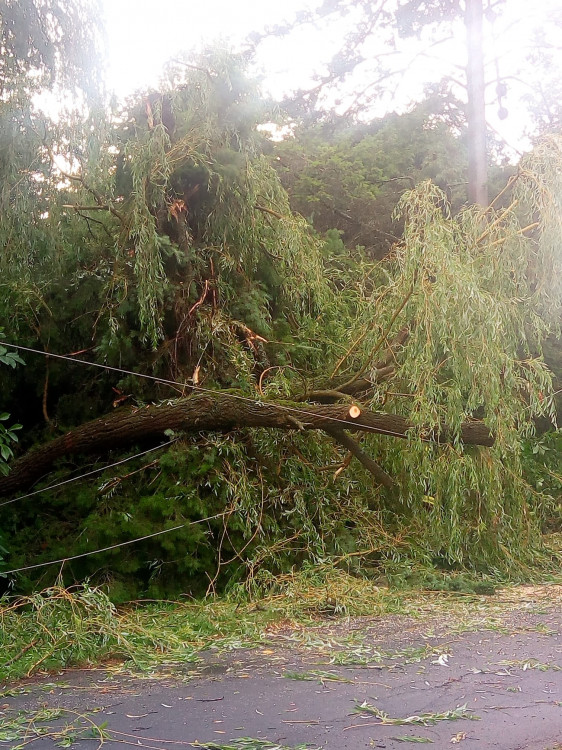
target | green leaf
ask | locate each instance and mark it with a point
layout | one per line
(5, 452)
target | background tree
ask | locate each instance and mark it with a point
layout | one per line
(350, 176)
(48, 50)
(543, 92)
(383, 47)
(412, 17)
(47, 43)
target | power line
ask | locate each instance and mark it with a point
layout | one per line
(113, 546)
(89, 473)
(103, 367)
(158, 380)
(198, 388)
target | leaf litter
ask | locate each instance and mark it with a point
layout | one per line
(424, 719)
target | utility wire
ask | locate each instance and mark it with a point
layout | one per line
(113, 546)
(89, 473)
(158, 380)
(75, 479)
(198, 388)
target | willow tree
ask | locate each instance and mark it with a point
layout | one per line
(423, 373)
(49, 52)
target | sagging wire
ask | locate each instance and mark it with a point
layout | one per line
(89, 473)
(198, 388)
(113, 546)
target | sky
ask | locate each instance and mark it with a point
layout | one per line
(144, 34)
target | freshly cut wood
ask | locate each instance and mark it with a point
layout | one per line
(211, 412)
(354, 411)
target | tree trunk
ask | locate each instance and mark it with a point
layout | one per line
(476, 114)
(211, 412)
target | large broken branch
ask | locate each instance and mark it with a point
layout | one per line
(211, 412)
(366, 461)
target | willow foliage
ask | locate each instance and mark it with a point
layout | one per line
(170, 247)
(539, 190)
(236, 210)
(471, 294)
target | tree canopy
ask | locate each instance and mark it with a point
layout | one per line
(49, 43)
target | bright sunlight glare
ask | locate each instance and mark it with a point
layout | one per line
(144, 34)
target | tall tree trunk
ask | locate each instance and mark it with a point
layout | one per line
(212, 412)
(476, 113)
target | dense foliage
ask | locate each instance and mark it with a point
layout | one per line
(159, 239)
(348, 175)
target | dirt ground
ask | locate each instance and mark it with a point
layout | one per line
(350, 683)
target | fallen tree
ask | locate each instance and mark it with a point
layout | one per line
(222, 412)
(179, 258)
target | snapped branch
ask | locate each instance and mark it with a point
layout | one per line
(216, 412)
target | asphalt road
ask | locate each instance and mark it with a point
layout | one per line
(505, 685)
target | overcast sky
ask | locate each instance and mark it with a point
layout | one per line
(144, 34)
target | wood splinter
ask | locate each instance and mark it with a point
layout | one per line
(295, 422)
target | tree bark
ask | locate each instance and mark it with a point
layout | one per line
(211, 412)
(476, 111)
(381, 477)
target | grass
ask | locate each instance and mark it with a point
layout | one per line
(59, 627)
(80, 625)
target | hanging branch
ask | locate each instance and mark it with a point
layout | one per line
(338, 389)
(380, 475)
(269, 211)
(382, 340)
